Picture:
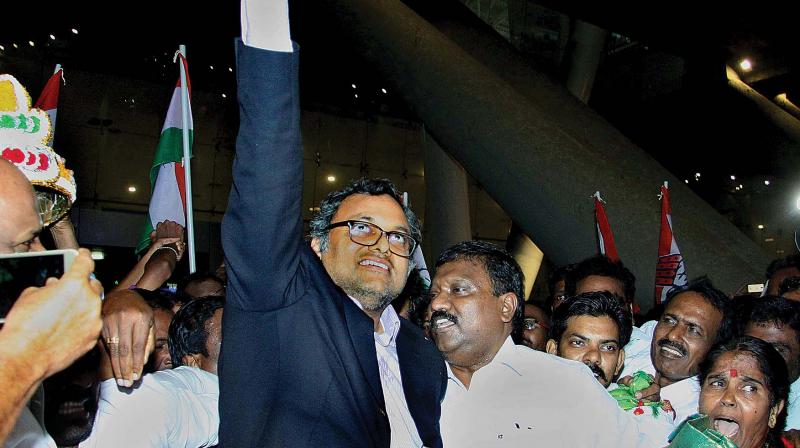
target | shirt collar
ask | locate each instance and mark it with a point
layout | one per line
(390, 322)
(504, 358)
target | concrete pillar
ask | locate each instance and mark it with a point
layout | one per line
(541, 153)
(447, 217)
(588, 42)
(787, 105)
(527, 254)
(779, 117)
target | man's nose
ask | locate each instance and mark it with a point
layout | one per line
(592, 356)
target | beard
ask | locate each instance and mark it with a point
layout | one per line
(371, 299)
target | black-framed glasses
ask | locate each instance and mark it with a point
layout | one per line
(368, 234)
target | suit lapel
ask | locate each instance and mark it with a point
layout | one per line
(361, 329)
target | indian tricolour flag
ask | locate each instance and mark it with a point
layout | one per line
(168, 200)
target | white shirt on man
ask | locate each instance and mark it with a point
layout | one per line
(683, 395)
(793, 411)
(175, 408)
(529, 398)
(404, 430)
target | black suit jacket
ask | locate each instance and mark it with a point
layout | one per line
(298, 365)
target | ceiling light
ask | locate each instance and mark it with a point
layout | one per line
(761, 227)
(686, 180)
(733, 177)
(356, 95)
(30, 42)
(383, 90)
(746, 65)
(52, 37)
(211, 67)
(98, 254)
(224, 96)
(741, 186)
(766, 182)
(353, 86)
(74, 31)
(131, 189)
(331, 178)
(15, 45)
(769, 240)
(230, 69)
(2, 48)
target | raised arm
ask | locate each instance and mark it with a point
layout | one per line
(261, 232)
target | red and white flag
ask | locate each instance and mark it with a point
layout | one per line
(670, 270)
(168, 200)
(48, 100)
(605, 237)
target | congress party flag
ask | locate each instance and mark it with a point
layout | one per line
(605, 236)
(48, 100)
(671, 269)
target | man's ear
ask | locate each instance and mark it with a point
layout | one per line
(620, 362)
(191, 360)
(315, 246)
(508, 306)
(551, 347)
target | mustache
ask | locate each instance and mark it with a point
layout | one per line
(438, 314)
(674, 345)
(597, 371)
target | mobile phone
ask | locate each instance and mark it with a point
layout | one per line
(755, 287)
(19, 271)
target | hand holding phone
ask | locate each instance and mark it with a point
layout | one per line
(52, 325)
(19, 271)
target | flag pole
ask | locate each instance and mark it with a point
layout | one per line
(58, 67)
(187, 169)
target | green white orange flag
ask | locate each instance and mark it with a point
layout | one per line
(168, 200)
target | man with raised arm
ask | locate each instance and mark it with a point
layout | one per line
(313, 355)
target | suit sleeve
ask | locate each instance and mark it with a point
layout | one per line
(262, 228)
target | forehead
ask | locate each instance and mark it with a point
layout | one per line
(695, 308)
(594, 283)
(461, 270)
(601, 327)
(534, 311)
(382, 210)
(772, 332)
(20, 217)
(744, 363)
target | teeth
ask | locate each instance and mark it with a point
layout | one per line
(442, 323)
(672, 351)
(374, 263)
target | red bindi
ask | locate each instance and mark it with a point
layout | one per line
(734, 373)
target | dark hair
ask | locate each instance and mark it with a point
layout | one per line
(602, 266)
(775, 310)
(503, 270)
(416, 294)
(595, 304)
(197, 277)
(771, 364)
(187, 331)
(789, 284)
(716, 298)
(158, 300)
(519, 331)
(373, 187)
(560, 273)
(791, 261)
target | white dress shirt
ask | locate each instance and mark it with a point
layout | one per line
(793, 411)
(526, 398)
(170, 409)
(28, 433)
(683, 395)
(404, 430)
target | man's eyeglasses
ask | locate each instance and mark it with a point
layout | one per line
(530, 324)
(368, 234)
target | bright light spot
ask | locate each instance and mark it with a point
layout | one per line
(733, 177)
(52, 37)
(15, 45)
(331, 178)
(746, 65)
(224, 96)
(30, 42)
(211, 67)
(766, 182)
(353, 86)
(230, 69)
(2, 48)
(98, 254)
(741, 186)
(383, 90)
(686, 180)
(696, 174)
(769, 240)
(356, 95)
(132, 189)
(74, 31)
(798, 203)
(761, 227)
